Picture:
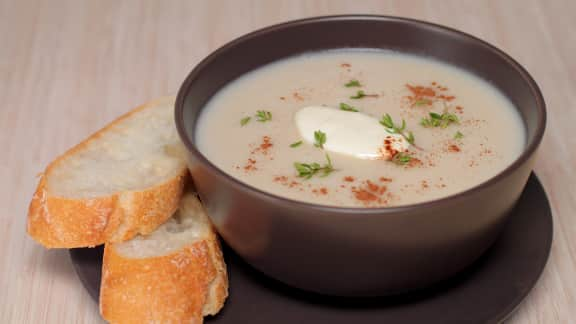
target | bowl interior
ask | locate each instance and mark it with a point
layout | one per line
(404, 35)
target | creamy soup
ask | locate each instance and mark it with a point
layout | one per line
(363, 128)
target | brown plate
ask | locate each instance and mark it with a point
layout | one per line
(487, 292)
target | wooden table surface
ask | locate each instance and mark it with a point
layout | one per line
(68, 67)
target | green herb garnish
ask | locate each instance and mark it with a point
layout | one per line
(392, 128)
(401, 158)
(296, 144)
(263, 116)
(353, 83)
(347, 107)
(458, 135)
(439, 120)
(423, 102)
(319, 139)
(359, 95)
(308, 170)
(244, 121)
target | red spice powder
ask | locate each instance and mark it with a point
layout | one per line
(349, 179)
(250, 165)
(459, 109)
(422, 95)
(323, 191)
(280, 179)
(447, 98)
(286, 181)
(424, 184)
(384, 179)
(414, 162)
(370, 193)
(420, 92)
(372, 186)
(453, 148)
(297, 96)
(264, 146)
(345, 65)
(265, 143)
(364, 195)
(387, 152)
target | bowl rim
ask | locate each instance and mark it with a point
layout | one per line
(528, 151)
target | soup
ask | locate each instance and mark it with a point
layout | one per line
(360, 128)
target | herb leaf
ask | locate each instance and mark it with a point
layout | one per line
(401, 158)
(410, 138)
(423, 102)
(296, 144)
(353, 83)
(347, 107)
(308, 170)
(319, 139)
(359, 95)
(245, 120)
(263, 116)
(458, 135)
(439, 120)
(392, 128)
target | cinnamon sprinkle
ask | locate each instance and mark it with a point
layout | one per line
(349, 179)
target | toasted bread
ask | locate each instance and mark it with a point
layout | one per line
(124, 180)
(176, 274)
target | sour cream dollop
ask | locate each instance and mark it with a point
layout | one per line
(352, 133)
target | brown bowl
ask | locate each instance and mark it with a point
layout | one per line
(358, 251)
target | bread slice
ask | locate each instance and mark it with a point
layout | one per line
(124, 180)
(176, 274)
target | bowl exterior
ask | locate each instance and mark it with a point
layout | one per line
(350, 254)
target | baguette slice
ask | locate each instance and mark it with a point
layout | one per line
(174, 275)
(123, 180)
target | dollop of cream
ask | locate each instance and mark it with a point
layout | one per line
(352, 133)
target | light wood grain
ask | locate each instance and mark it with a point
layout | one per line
(68, 67)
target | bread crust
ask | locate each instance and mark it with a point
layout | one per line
(60, 222)
(180, 287)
